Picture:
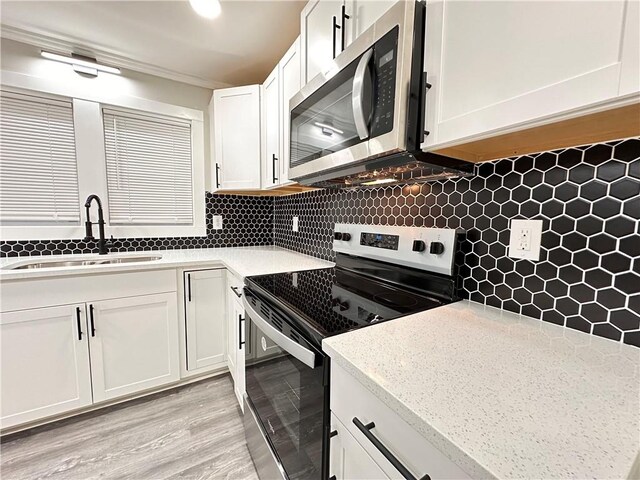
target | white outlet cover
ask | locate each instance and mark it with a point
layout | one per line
(535, 229)
(294, 225)
(217, 222)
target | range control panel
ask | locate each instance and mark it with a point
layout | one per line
(431, 249)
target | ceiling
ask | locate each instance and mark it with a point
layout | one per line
(166, 38)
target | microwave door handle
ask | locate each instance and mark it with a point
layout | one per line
(357, 98)
(303, 354)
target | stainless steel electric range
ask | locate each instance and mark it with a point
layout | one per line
(381, 273)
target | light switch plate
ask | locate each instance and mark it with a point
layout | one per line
(217, 222)
(294, 225)
(525, 238)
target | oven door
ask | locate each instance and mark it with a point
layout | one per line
(287, 395)
(358, 109)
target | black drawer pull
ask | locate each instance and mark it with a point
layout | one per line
(93, 326)
(79, 324)
(235, 290)
(240, 341)
(366, 430)
(333, 434)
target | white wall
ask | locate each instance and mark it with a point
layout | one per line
(25, 61)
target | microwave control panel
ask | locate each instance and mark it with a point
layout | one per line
(384, 88)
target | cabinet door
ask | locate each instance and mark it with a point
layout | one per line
(241, 341)
(363, 14)
(205, 301)
(236, 113)
(503, 65)
(347, 459)
(289, 68)
(44, 363)
(317, 36)
(134, 344)
(271, 157)
(234, 296)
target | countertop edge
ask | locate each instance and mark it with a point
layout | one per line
(431, 434)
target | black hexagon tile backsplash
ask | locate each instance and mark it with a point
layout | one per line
(588, 276)
(247, 221)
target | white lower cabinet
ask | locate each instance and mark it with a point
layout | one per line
(236, 335)
(134, 344)
(348, 460)
(44, 363)
(205, 313)
(110, 337)
(356, 456)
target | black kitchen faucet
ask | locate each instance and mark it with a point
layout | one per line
(103, 243)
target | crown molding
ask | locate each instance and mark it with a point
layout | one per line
(63, 44)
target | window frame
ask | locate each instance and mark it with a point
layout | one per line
(91, 159)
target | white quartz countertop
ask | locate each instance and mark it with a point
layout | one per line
(242, 261)
(502, 395)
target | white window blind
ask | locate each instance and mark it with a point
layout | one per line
(149, 177)
(38, 170)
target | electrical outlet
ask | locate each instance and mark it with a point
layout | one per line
(217, 222)
(294, 225)
(525, 239)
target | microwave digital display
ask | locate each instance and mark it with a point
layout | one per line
(386, 58)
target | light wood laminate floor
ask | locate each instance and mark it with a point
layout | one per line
(194, 432)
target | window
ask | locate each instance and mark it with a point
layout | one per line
(144, 159)
(38, 168)
(149, 173)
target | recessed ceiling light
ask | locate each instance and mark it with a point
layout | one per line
(206, 8)
(84, 64)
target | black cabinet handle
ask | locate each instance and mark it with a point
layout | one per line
(235, 290)
(240, 341)
(333, 433)
(188, 287)
(344, 23)
(366, 430)
(335, 27)
(79, 323)
(274, 160)
(93, 326)
(217, 176)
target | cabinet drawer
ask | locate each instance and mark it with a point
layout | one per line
(19, 294)
(351, 400)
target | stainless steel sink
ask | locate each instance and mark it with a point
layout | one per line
(82, 263)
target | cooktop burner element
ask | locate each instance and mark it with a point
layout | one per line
(378, 276)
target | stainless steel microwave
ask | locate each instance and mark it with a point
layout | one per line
(362, 121)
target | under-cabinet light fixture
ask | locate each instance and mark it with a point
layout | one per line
(80, 63)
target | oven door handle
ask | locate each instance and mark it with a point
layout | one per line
(292, 347)
(357, 99)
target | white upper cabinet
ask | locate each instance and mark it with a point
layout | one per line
(289, 72)
(362, 14)
(271, 156)
(236, 138)
(502, 66)
(320, 40)
(44, 363)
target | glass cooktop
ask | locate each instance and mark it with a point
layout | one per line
(336, 300)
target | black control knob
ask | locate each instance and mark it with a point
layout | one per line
(418, 246)
(436, 248)
(346, 237)
(337, 235)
